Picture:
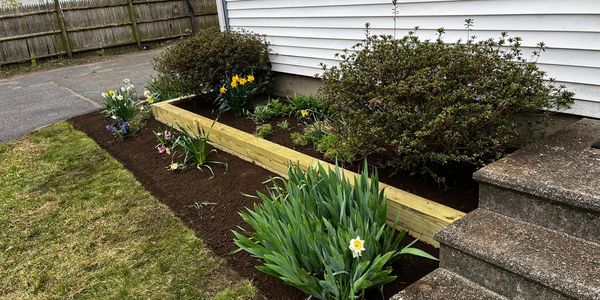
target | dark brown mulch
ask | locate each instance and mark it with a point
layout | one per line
(210, 206)
(460, 191)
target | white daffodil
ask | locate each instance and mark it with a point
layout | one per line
(174, 166)
(119, 97)
(357, 246)
(130, 87)
(113, 117)
(147, 94)
(104, 95)
(126, 81)
(122, 89)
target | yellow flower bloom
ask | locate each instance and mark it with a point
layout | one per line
(243, 81)
(250, 78)
(150, 100)
(236, 78)
(234, 84)
(111, 93)
(304, 113)
(223, 90)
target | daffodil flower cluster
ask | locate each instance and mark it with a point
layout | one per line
(236, 93)
(120, 103)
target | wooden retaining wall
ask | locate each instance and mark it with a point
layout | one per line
(52, 29)
(420, 216)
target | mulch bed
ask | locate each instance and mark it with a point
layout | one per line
(460, 191)
(210, 206)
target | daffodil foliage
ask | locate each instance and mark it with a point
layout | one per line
(322, 234)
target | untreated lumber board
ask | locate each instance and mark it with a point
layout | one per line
(420, 216)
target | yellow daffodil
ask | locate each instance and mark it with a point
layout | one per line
(304, 113)
(243, 81)
(150, 100)
(111, 93)
(223, 90)
(236, 78)
(357, 246)
(250, 78)
(234, 84)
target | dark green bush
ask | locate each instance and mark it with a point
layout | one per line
(198, 64)
(424, 106)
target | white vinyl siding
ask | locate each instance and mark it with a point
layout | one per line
(305, 33)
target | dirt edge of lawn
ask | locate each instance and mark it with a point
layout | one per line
(77, 224)
(215, 218)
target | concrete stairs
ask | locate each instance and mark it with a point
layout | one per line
(536, 234)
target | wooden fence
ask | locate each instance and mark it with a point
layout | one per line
(52, 29)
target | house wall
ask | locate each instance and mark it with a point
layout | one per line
(304, 33)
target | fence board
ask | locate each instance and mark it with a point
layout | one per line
(33, 31)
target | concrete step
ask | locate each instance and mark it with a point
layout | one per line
(520, 260)
(443, 285)
(554, 183)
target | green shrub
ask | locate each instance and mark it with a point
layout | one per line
(198, 64)
(305, 230)
(162, 88)
(263, 131)
(428, 105)
(274, 108)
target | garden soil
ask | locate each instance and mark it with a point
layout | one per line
(210, 206)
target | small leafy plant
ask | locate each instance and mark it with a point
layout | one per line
(324, 138)
(323, 235)
(308, 108)
(274, 108)
(285, 125)
(236, 94)
(263, 131)
(194, 146)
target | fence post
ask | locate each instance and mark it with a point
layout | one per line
(136, 32)
(63, 28)
(192, 15)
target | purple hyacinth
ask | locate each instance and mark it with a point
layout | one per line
(123, 126)
(111, 129)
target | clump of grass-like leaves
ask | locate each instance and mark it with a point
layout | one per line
(324, 235)
(194, 146)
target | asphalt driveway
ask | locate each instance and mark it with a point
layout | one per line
(33, 100)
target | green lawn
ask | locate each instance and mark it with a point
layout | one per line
(75, 224)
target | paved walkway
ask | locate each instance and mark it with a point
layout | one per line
(33, 100)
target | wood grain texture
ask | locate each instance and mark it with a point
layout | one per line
(34, 31)
(420, 216)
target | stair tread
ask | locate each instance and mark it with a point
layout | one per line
(443, 284)
(562, 167)
(561, 262)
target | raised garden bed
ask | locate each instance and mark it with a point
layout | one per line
(420, 216)
(210, 206)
